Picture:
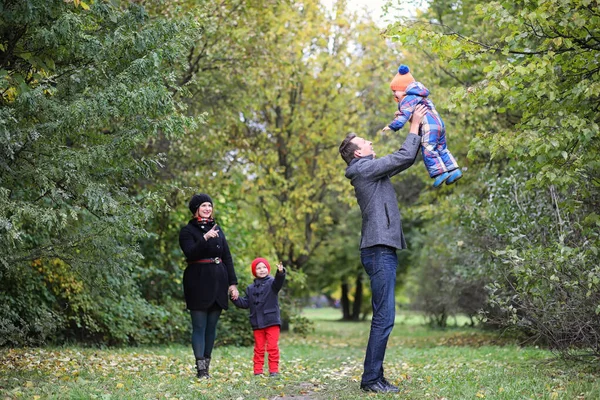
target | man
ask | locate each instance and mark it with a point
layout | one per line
(381, 235)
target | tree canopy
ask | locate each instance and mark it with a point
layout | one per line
(114, 113)
(528, 90)
(84, 87)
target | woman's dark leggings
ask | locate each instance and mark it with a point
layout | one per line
(204, 331)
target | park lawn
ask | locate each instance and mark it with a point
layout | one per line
(457, 363)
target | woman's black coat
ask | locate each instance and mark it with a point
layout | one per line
(206, 284)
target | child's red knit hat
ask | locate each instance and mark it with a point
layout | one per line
(260, 260)
(402, 79)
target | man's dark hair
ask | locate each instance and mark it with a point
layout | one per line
(347, 148)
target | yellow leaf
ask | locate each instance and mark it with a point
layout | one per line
(84, 5)
(36, 397)
(29, 384)
(120, 385)
(480, 394)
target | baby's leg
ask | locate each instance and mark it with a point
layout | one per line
(447, 157)
(433, 161)
(431, 157)
(448, 160)
(454, 172)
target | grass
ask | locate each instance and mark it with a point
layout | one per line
(457, 363)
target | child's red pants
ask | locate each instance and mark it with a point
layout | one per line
(269, 338)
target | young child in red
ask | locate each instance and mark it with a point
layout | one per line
(261, 298)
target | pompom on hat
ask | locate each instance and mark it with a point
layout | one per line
(256, 262)
(402, 79)
(197, 200)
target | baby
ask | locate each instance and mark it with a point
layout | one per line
(440, 163)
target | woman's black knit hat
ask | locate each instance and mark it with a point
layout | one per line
(198, 199)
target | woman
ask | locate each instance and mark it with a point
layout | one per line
(208, 278)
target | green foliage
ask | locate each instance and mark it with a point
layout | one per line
(268, 152)
(298, 100)
(539, 275)
(101, 147)
(527, 90)
(288, 135)
(26, 314)
(83, 89)
(53, 303)
(302, 325)
(449, 280)
(234, 328)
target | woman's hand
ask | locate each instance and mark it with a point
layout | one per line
(212, 233)
(233, 292)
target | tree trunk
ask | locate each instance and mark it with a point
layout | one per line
(358, 297)
(345, 302)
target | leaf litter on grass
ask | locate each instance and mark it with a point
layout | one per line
(424, 364)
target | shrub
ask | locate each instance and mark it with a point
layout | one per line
(542, 251)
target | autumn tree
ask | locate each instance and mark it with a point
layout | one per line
(300, 106)
(297, 79)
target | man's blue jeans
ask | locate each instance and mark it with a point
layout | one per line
(380, 263)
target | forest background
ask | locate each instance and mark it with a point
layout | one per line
(113, 113)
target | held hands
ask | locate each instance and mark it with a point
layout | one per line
(214, 232)
(233, 292)
(280, 266)
(386, 128)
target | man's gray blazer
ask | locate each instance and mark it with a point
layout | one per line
(381, 222)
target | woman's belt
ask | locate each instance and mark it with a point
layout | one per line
(215, 260)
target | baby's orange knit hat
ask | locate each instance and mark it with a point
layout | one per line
(402, 79)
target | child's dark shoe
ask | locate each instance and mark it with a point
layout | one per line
(440, 179)
(274, 374)
(454, 176)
